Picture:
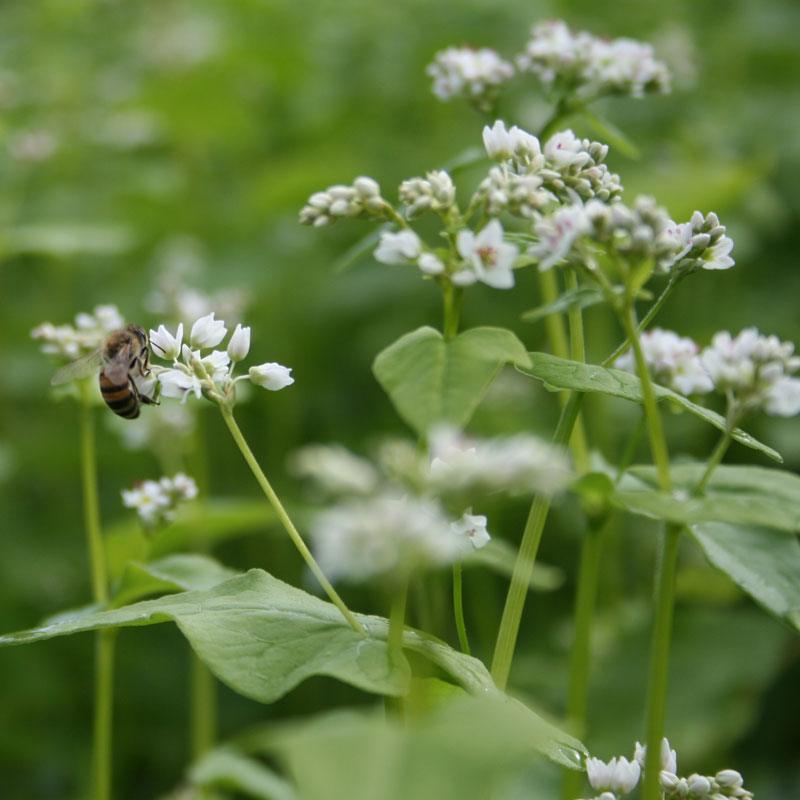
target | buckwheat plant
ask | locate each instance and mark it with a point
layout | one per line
(157, 502)
(211, 375)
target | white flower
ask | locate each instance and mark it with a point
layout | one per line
(669, 758)
(557, 234)
(474, 74)
(618, 775)
(435, 192)
(519, 463)
(490, 258)
(239, 344)
(271, 376)
(335, 469)
(86, 336)
(207, 332)
(473, 527)
(403, 247)
(430, 264)
(782, 398)
(717, 256)
(565, 149)
(178, 384)
(167, 346)
(673, 360)
(156, 501)
(502, 144)
(362, 539)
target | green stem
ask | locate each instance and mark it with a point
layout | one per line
(458, 610)
(647, 319)
(562, 110)
(104, 640)
(716, 458)
(659, 661)
(397, 619)
(202, 707)
(280, 511)
(585, 598)
(526, 557)
(452, 310)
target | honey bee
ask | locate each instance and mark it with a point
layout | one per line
(123, 357)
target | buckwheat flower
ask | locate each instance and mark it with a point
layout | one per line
(669, 758)
(503, 190)
(754, 371)
(699, 785)
(403, 247)
(473, 527)
(207, 332)
(179, 384)
(156, 502)
(489, 257)
(511, 144)
(430, 264)
(435, 192)
(574, 165)
(85, 336)
(271, 376)
(673, 360)
(519, 463)
(704, 245)
(361, 199)
(386, 534)
(239, 344)
(618, 775)
(335, 469)
(165, 344)
(476, 75)
(557, 233)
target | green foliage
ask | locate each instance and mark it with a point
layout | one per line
(430, 380)
(224, 768)
(558, 374)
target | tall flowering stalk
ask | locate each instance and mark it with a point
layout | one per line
(211, 376)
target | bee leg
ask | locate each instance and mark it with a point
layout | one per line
(142, 398)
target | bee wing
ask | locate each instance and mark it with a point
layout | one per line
(81, 368)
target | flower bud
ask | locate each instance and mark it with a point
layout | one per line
(271, 376)
(207, 331)
(366, 187)
(729, 779)
(699, 785)
(239, 345)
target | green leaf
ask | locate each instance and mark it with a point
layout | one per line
(764, 563)
(582, 297)
(558, 374)
(363, 246)
(224, 768)
(199, 525)
(500, 556)
(464, 748)
(611, 134)
(430, 380)
(465, 159)
(262, 637)
(176, 573)
(746, 495)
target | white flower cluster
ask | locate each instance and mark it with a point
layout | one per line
(335, 469)
(629, 234)
(362, 538)
(156, 502)
(704, 244)
(531, 177)
(435, 192)
(475, 75)
(209, 375)
(518, 463)
(484, 256)
(673, 360)
(361, 199)
(85, 336)
(620, 776)
(589, 66)
(754, 371)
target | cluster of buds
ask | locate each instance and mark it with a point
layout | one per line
(674, 361)
(754, 372)
(475, 75)
(361, 199)
(210, 375)
(435, 192)
(85, 336)
(619, 777)
(705, 245)
(631, 236)
(156, 502)
(530, 177)
(588, 67)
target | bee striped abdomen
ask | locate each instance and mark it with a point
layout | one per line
(119, 397)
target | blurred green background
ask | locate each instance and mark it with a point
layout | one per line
(134, 135)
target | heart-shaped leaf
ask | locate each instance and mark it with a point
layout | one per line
(560, 373)
(431, 380)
